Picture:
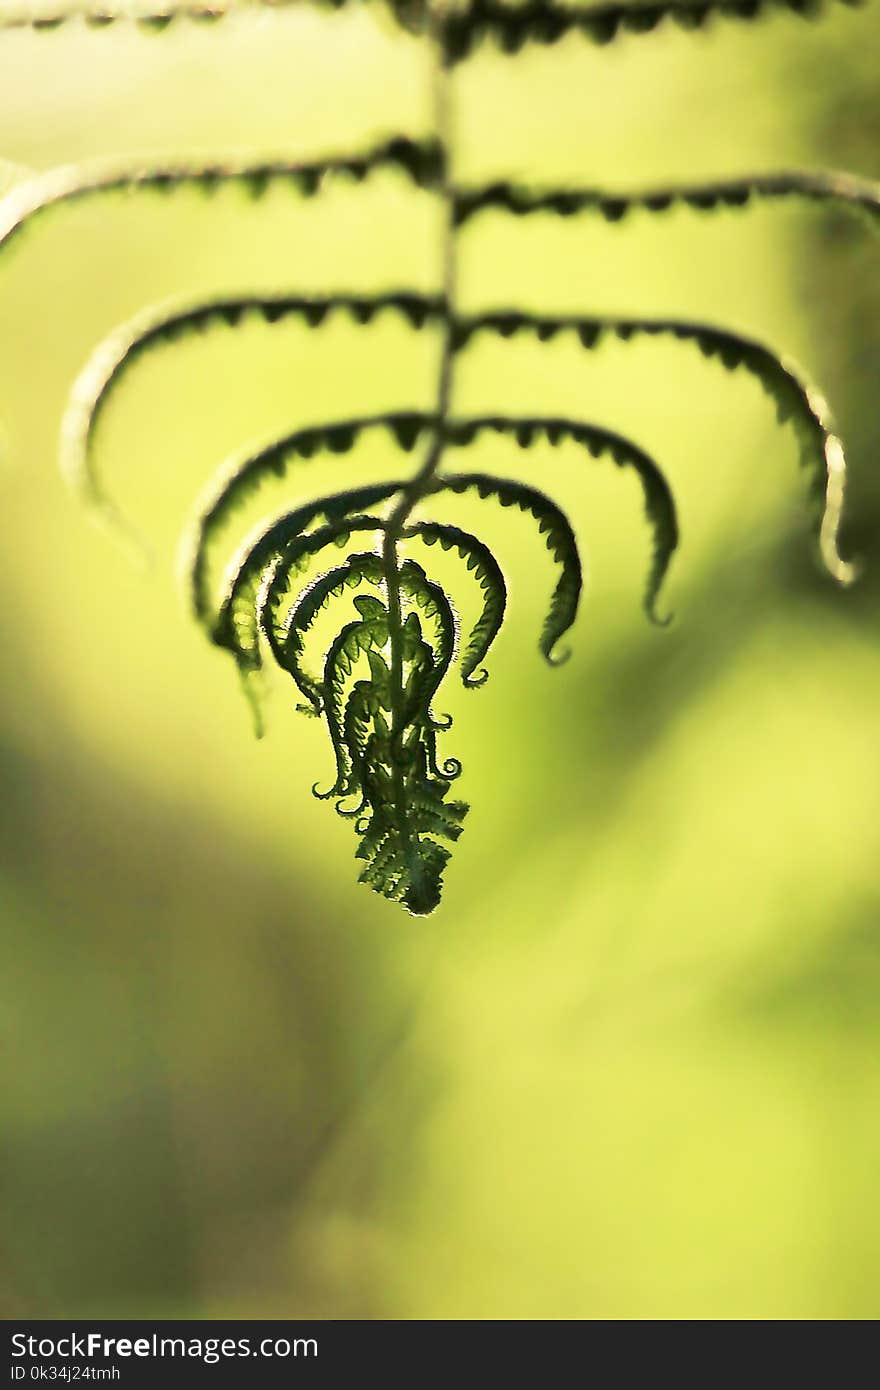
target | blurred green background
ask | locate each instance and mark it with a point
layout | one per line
(630, 1068)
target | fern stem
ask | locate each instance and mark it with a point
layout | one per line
(421, 482)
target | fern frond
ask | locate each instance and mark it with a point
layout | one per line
(659, 503)
(486, 570)
(288, 639)
(101, 14)
(355, 640)
(154, 16)
(409, 869)
(261, 560)
(123, 349)
(407, 813)
(381, 672)
(860, 195)
(426, 677)
(290, 558)
(558, 535)
(421, 162)
(242, 612)
(512, 26)
(822, 454)
(289, 643)
(242, 477)
(426, 670)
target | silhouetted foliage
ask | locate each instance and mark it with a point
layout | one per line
(398, 637)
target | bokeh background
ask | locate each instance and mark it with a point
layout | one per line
(630, 1068)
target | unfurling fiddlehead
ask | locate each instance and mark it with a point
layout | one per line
(361, 558)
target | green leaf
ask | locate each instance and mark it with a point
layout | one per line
(822, 454)
(345, 651)
(859, 195)
(402, 857)
(290, 558)
(659, 502)
(512, 26)
(242, 477)
(435, 605)
(421, 162)
(166, 326)
(289, 644)
(558, 537)
(487, 572)
(263, 563)
(155, 16)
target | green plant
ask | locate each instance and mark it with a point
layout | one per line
(377, 684)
